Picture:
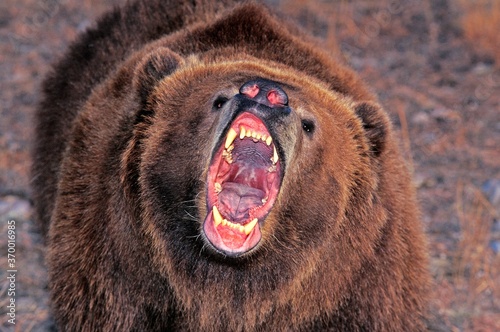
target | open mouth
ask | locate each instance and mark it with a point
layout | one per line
(243, 183)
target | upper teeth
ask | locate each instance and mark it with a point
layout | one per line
(247, 132)
(231, 135)
(274, 159)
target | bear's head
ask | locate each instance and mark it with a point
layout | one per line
(247, 172)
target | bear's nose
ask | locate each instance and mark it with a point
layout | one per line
(265, 92)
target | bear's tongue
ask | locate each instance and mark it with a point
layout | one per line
(235, 200)
(246, 179)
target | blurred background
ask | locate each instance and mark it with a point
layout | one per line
(435, 65)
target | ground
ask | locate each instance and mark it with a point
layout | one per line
(435, 71)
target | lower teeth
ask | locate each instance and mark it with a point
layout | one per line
(247, 229)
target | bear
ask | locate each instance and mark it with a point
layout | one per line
(207, 166)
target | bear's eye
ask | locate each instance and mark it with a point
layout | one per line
(308, 126)
(219, 102)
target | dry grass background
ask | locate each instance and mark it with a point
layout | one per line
(481, 25)
(435, 65)
(476, 268)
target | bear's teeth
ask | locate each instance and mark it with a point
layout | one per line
(234, 226)
(217, 217)
(275, 158)
(226, 154)
(247, 229)
(246, 132)
(218, 220)
(231, 135)
(250, 226)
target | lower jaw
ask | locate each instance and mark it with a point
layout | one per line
(230, 245)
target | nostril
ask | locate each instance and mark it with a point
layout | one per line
(250, 90)
(277, 97)
(265, 92)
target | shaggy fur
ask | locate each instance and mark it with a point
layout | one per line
(125, 136)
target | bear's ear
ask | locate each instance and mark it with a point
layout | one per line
(375, 124)
(156, 65)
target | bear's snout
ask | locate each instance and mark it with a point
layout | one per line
(266, 92)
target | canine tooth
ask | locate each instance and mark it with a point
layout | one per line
(218, 187)
(231, 135)
(250, 226)
(217, 217)
(269, 140)
(275, 156)
(242, 132)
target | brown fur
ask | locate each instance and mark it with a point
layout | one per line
(125, 135)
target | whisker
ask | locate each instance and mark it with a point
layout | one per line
(190, 215)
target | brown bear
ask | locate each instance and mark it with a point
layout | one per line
(205, 166)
